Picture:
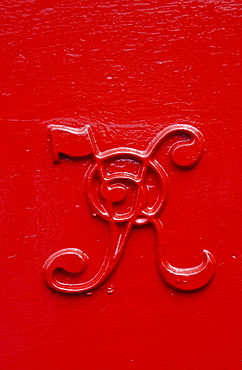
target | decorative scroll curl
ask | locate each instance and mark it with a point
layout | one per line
(127, 188)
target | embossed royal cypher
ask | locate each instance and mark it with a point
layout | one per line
(127, 188)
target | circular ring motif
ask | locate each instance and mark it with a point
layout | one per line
(118, 197)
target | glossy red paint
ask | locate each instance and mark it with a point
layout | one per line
(126, 187)
(128, 70)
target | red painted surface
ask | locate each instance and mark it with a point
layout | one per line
(127, 188)
(128, 70)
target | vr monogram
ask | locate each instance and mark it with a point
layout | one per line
(128, 188)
